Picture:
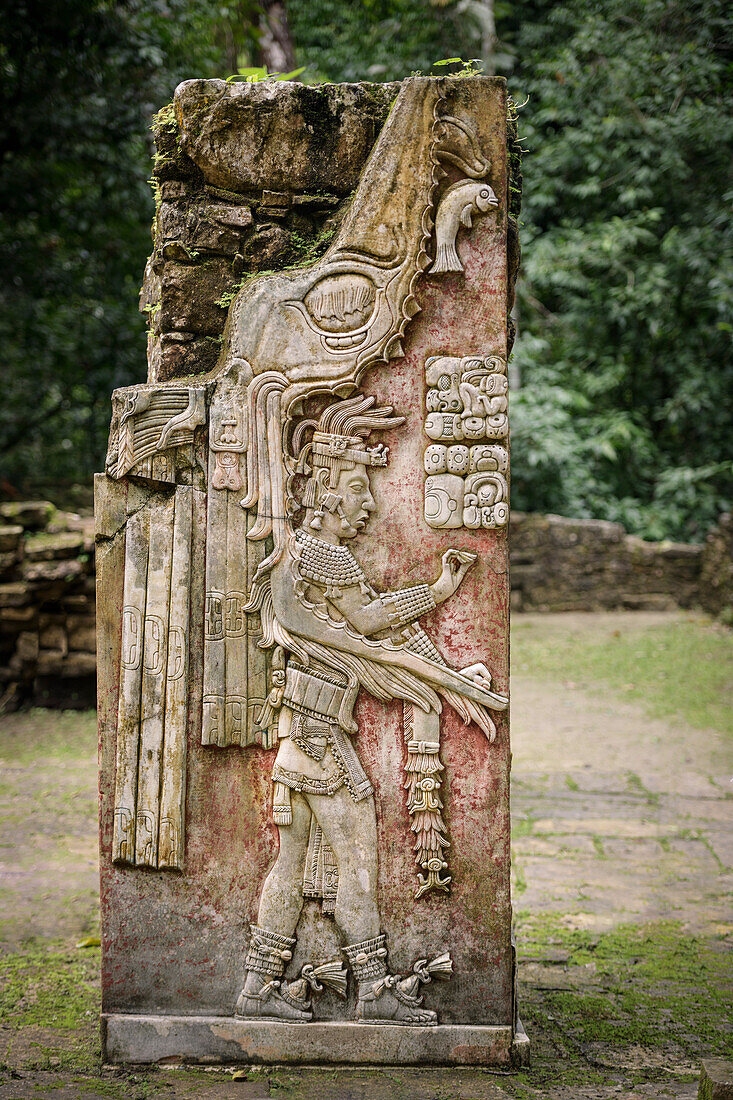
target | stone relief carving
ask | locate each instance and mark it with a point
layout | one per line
(341, 635)
(457, 206)
(150, 421)
(293, 628)
(466, 466)
(153, 712)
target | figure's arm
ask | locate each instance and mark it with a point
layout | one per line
(389, 611)
(300, 620)
(393, 610)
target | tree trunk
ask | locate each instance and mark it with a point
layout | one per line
(276, 45)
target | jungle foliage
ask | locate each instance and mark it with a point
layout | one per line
(624, 306)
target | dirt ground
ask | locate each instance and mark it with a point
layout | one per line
(622, 856)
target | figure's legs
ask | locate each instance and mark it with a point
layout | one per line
(281, 900)
(272, 942)
(350, 830)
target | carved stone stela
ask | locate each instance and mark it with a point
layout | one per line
(299, 670)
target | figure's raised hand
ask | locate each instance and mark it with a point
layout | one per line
(456, 564)
(479, 673)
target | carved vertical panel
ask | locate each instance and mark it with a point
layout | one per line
(214, 720)
(153, 688)
(173, 783)
(131, 664)
(152, 713)
(235, 674)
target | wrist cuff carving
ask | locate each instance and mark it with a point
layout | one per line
(408, 604)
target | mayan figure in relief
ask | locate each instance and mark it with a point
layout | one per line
(293, 629)
(323, 800)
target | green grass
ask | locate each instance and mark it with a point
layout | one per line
(59, 735)
(653, 986)
(49, 985)
(683, 669)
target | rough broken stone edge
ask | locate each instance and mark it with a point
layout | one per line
(147, 1039)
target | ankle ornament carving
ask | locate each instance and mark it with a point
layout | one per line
(368, 959)
(269, 953)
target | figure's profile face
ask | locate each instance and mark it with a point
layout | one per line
(357, 502)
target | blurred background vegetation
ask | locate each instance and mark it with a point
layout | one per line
(622, 373)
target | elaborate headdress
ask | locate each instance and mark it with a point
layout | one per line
(338, 444)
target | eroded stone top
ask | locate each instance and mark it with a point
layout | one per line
(280, 134)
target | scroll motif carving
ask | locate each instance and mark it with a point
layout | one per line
(152, 421)
(468, 462)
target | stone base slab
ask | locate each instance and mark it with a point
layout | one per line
(222, 1039)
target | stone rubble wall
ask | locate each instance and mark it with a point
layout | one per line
(716, 573)
(47, 580)
(47, 609)
(561, 564)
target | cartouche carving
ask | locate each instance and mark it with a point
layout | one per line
(466, 466)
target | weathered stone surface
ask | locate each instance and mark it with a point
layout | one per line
(13, 619)
(716, 573)
(364, 295)
(280, 136)
(207, 227)
(9, 562)
(145, 1039)
(67, 665)
(716, 1080)
(561, 564)
(189, 296)
(11, 536)
(53, 576)
(268, 247)
(27, 646)
(55, 573)
(255, 229)
(54, 547)
(14, 595)
(52, 635)
(179, 355)
(83, 635)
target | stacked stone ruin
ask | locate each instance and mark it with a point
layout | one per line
(47, 614)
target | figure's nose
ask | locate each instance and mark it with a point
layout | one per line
(369, 503)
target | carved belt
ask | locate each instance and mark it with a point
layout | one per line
(313, 693)
(297, 782)
(316, 699)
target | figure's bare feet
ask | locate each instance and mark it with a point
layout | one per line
(383, 1002)
(269, 1000)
